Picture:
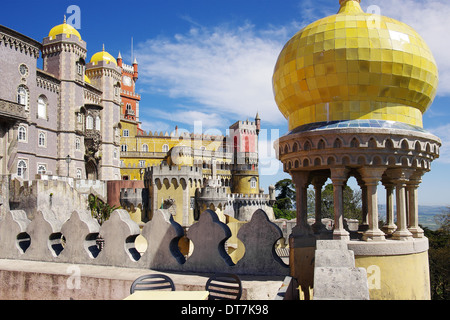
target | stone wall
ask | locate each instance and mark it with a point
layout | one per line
(46, 239)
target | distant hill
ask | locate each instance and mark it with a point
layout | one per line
(426, 214)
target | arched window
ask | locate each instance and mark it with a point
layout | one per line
(165, 148)
(42, 107)
(77, 143)
(41, 139)
(253, 183)
(89, 123)
(98, 123)
(124, 148)
(144, 148)
(22, 136)
(79, 173)
(22, 96)
(42, 169)
(22, 169)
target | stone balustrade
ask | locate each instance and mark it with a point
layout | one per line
(46, 239)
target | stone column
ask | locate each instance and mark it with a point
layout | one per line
(400, 177)
(339, 177)
(301, 182)
(365, 222)
(318, 182)
(371, 177)
(390, 226)
(411, 187)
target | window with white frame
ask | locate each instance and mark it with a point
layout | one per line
(22, 169)
(124, 148)
(253, 183)
(22, 134)
(77, 144)
(98, 123)
(42, 107)
(42, 169)
(141, 163)
(22, 96)
(41, 139)
(165, 148)
(144, 148)
(126, 133)
(89, 123)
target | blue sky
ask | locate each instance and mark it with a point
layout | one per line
(212, 60)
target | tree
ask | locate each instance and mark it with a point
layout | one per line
(439, 257)
(285, 201)
(351, 202)
(284, 207)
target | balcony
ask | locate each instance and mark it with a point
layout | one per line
(12, 111)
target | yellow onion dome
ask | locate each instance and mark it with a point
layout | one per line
(64, 28)
(103, 56)
(352, 66)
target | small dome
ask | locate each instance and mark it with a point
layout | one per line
(64, 28)
(103, 56)
(355, 66)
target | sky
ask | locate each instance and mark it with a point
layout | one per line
(205, 64)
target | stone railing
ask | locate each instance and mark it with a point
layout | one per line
(74, 241)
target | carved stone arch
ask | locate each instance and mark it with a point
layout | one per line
(174, 181)
(331, 160)
(183, 183)
(404, 145)
(389, 144)
(354, 143)
(317, 161)
(286, 148)
(295, 147)
(362, 160)
(405, 161)
(296, 164)
(346, 160)
(321, 144)
(337, 143)
(427, 147)
(417, 146)
(166, 183)
(307, 146)
(372, 143)
(306, 162)
(392, 161)
(423, 164)
(158, 183)
(376, 160)
(289, 165)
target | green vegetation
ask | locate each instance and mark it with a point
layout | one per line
(100, 210)
(285, 208)
(439, 257)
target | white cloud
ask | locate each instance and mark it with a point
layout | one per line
(224, 72)
(430, 19)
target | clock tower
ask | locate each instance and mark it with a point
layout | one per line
(130, 100)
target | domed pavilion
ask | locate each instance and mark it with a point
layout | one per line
(354, 87)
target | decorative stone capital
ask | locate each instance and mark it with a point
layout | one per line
(371, 175)
(339, 175)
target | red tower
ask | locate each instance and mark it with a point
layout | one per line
(130, 99)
